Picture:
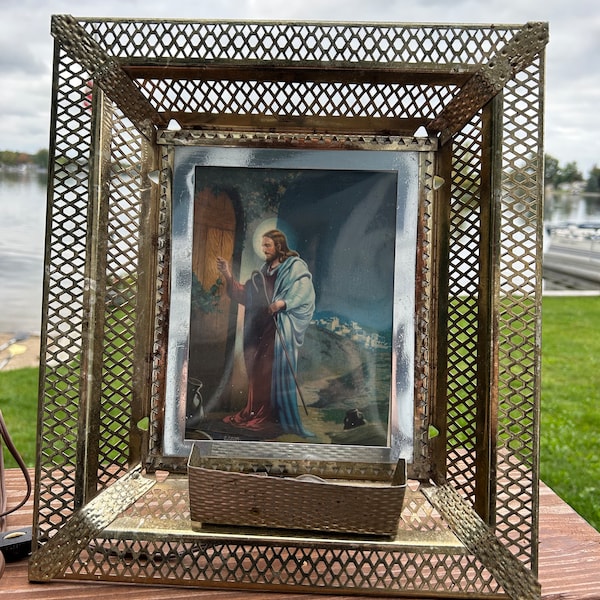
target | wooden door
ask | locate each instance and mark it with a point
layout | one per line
(212, 318)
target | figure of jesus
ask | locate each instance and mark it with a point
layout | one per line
(279, 302)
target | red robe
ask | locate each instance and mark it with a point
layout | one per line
(259, 347)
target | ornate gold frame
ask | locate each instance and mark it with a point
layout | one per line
(109, 504)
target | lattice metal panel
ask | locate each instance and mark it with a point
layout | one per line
(329, 43)
(463, 318)
(229, 565)
(226, 561)
(107, 291)
(288, 567)
(122, 258)
(68, 328)
(66, 260)
(520, 325)
(299, 99)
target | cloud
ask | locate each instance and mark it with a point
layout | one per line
(19, 58)
(571, 81)
(25, 111)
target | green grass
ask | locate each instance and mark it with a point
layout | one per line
(19, 405)
(570, 421)
(570, 416)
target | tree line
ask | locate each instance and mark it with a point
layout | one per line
(556, 175)
(10, 158)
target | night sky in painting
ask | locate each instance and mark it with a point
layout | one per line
(344, 227)
(342, 223)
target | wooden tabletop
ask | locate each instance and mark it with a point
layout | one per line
(569, 563)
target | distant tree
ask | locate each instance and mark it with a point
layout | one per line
(551, 168)
(592, 184)
(11, 158)
(569, 174)
(40, 158)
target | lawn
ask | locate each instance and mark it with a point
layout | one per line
(570, 421)
(18, 402)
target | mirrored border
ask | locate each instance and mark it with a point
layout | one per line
(401, 419)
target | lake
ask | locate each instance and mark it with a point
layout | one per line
(574, 209)
(22, 232)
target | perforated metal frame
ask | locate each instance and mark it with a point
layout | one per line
(104, 508)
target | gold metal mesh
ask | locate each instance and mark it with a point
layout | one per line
(106, 297)
(519, 319)
(64, 284)
(464, 286)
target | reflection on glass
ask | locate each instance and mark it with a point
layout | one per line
(293, 300)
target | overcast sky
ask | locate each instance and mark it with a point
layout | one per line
(572, 73)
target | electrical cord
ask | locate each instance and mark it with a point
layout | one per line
(15, 545)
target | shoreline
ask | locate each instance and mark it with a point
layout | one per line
(24, 353)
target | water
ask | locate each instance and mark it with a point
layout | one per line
(571, 209)
(22, 231)
(571, 243)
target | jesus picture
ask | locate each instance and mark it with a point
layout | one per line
(292, 305)
(279, 301)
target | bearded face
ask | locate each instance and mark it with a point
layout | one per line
(269, 249)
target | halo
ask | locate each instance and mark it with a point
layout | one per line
(263, 227)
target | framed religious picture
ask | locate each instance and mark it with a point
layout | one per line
(293, 302)
(284, 260)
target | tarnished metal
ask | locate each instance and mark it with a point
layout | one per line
(88, 437)
(490, 79)
(478, 90)
(517, 581)
(106, 72)
(54, 558)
